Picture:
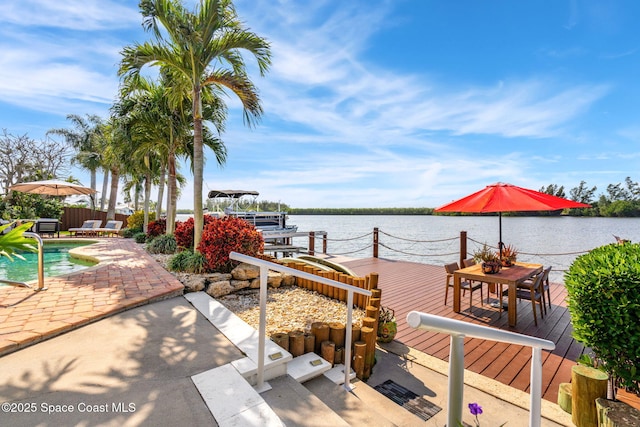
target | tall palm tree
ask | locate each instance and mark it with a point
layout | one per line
(204, 46)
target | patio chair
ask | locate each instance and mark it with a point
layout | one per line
(464, 285)
(533, 291)
(546, 299)
(88, 228)
(112, 227)
(49, 226)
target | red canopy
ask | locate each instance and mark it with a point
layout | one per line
(502, 197)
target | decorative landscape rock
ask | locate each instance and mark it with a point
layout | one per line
(245, 272)
(236, 285)
(192, 282)
(221, 288)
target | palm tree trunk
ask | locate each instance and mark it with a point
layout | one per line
(93, 187)
(172, 193)
(113, 195)
(105, 184)
(198, 166)
(147, 197)
(163, 175)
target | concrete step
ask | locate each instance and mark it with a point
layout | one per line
(354, 410)
(308, 366)
(232, 401)
(244, 337)
(298, 407)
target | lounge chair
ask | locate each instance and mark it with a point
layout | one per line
(49, 226)
(88, 228)
(110, 228)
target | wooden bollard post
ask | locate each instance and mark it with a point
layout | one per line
(331, 291)
(373, 280)
(564, 397)
(368, 335)
(337, 333)
(355, 334)
(375, 242)
(373, 313)
(296, 343)
(312, 243)
(328, 349)
(309, 342)
(345, 278)
(587, 384)
(360, 282)
(374, 302)
(321, 332)
(311, 285)
(338, 355)
(359, 352)
(282, 339)
(325, 288)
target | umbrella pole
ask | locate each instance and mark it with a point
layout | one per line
(500, 244)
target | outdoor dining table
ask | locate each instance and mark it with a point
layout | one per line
(510, 276)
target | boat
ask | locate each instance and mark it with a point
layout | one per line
(272, 224)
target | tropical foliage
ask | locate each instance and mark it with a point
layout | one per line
(188, 261)
(225, 235)
(603, 288)
(184, 232)
(164, 244)
(157, 228)
(12, 242)
(202, 49)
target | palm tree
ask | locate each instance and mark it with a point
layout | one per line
(86, 139)
(204, 47)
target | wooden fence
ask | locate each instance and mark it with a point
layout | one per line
(74, 217)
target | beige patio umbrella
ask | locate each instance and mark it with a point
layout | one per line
(52, 187)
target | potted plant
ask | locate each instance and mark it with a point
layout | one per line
(489, 260)
(387, 326)
(508, 255)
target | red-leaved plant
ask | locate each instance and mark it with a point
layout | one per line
(157, 227)
(223, 236)
(184, 232)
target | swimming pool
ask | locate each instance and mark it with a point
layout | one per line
(57, 261)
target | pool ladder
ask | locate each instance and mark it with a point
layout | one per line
(40, 265)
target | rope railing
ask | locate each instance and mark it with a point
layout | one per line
(349, 239)
(352, 252)
(414, 254)
(418, 241)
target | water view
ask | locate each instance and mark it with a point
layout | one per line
(554, 241)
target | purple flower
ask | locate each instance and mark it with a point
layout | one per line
(475, 409)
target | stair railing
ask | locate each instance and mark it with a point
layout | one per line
(458, 330)
(265, 266)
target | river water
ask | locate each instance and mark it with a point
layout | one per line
(554, 241)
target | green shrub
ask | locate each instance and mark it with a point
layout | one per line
(140, 237)
(188, 262)
(603, 290)
(135, 221)
(128, 232)
(157, 227)
(164, 244)
(224, 235)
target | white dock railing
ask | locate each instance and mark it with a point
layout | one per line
(265, 266)
(458, 330)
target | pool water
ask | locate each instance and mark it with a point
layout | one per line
(56, 262)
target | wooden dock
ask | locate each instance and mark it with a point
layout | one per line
(408, 286)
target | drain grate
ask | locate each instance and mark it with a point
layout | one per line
(410, 401)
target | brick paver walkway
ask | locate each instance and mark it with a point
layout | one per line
(126, 277)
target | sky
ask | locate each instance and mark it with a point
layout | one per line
(371, 103)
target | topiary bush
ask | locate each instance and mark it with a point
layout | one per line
(157, 227)
(603, 288)
(188, 262)
(164, 244)
(224, 235)
(184, 231)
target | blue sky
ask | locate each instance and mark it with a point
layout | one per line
(404, 103)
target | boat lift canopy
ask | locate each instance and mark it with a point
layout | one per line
(232, 194)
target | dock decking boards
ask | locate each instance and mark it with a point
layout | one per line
(408, 286)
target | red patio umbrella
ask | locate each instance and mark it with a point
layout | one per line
(501, 197)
